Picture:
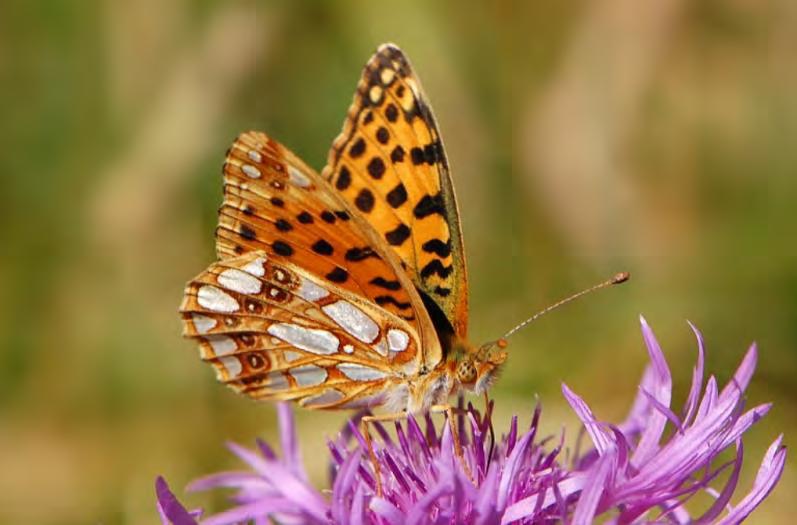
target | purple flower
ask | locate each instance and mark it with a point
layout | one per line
(643, 470)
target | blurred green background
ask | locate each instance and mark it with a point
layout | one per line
(584, 138)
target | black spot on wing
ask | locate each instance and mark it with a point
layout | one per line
(433, 152)
(442, 291)
(344, 179)
(283, 225)
(282, 248)
(376, 168)
(436, 267)
(328, 217)
(397, 155)
(382, 135)
(417, 156)
(391, 112)
(398, 235)
(358, 254)
(384, 283)
(322, 247)
(338, 275)
(305, 218)
(364, 200)
(248, 233)
(276, 201)
(382, 300)
(428, 205)
(397, 196)
(357, 149)
(438, 247)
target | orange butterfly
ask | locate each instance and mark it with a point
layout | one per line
(346, 289)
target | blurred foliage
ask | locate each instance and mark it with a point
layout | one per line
(584, 138)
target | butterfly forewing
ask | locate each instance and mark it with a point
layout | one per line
(275, 203)
(390, 165)
(273, 330)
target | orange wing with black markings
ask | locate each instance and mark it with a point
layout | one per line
(345, 289)
(275, 203)
(389, 163)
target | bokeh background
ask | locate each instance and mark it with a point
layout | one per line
(584, 138)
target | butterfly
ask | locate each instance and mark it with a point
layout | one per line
(348, 288)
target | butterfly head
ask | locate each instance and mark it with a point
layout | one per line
(477, 368)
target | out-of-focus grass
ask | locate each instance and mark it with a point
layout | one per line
(583, 138)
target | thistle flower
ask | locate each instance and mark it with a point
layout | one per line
(637, 471)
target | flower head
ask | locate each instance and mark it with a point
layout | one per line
(643, 470)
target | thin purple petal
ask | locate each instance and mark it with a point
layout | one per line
(289, 441)
(284, 481)
(170, 508)
(665, 411)
(727, 491)
(768, 476)
(387, 510)
(743, 374)
(262, 507)
(697, 377)
(661, 389)
(593, 489)
(599, 437)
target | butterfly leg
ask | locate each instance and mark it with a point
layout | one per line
(487, 413)
(369, 442)
(449, 411)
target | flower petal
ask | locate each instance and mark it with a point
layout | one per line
(743, 374)
(600, 437)
(284, 480)
(768, 475)
(250, 511)
(169, 506)
(593, 489)
(387, 510)
(697, 377)
(289, 441)
(727, 491)
(661, 390)
(511, 468)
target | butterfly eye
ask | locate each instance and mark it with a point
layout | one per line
(466, 372)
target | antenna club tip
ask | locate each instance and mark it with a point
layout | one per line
(621, 278)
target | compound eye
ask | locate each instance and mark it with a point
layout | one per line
(466, 372)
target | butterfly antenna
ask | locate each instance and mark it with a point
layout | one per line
(617, 279)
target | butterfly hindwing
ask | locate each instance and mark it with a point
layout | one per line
(272, 330)
(390, 165)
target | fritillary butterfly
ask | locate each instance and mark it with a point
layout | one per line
(346, 289)
(349, 288)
